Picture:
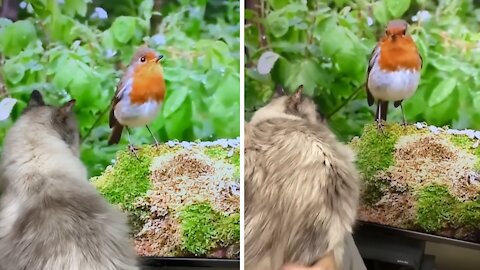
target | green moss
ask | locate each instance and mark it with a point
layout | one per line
(435, 207)
(375, 153)
(229, 229)
(468, 214)
(129, 177)
(204, 228)
(128, 180)
(375, 150)
(466, 143)
(220, 153)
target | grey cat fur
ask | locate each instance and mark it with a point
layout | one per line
(301, 186)
(51, 217)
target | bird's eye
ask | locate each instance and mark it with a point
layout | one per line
(142, 59)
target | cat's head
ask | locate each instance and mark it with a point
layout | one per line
(294, 106)
(61, 120)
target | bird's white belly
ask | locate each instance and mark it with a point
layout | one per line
(392, 85)
(133, 115)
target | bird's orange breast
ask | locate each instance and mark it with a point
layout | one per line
(148, 84)
(399, 54)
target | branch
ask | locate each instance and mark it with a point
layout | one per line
(95, 123)
(345, 102)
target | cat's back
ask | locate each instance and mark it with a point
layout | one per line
(69, 219)
(51, 217)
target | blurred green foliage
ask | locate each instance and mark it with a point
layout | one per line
(325, 46)
(71, 49)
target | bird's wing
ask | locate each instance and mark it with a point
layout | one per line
(371, 62)
(421, 60)
(122, 88)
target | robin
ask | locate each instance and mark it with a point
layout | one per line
(393, 70)
(139, 95)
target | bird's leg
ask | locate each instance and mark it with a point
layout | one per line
(404, 118)
(379, 117)
(156, 141)
(130, 145)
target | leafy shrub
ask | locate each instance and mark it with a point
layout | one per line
(61, 49)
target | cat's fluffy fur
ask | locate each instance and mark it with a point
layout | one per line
(51, 217)
(301, 186)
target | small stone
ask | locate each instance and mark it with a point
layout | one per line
(419, 125)
(230, 152)
(475, 144)
(470, 133)
(186, 145)
(433, 129)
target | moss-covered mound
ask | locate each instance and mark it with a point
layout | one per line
(421, 177)
(183, 199)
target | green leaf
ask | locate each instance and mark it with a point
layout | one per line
(277, 4)
(476, 101)
(40, 7)
(380, 12)
(145, 9)
(76, 6)
(397, 7)
(174, 100)
(180, 120)
(65, 72)
(212, 79)
(442, 91)
(107, 40)
(123, 28)
(333, 38)
(278, 26)
(4, 22)
(304, 72)
(175, 74)
(444, 112)
(17, 36)
(14, 72)
(229, 90)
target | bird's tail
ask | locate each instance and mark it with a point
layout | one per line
(382, 110)
(116, 134)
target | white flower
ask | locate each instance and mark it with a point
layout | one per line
(110, 53)
(422, 16)
(369, 21)
(158, 39)
(99, 13)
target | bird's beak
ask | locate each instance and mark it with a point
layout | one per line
(159, 58)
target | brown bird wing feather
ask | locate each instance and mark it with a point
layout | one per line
(113, 122)
(371, 62)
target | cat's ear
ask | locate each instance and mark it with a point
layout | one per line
(295, 99)
(66, 109)
(298, 93)
(36, 99)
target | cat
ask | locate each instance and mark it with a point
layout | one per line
(51, 217)
(302, 187)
